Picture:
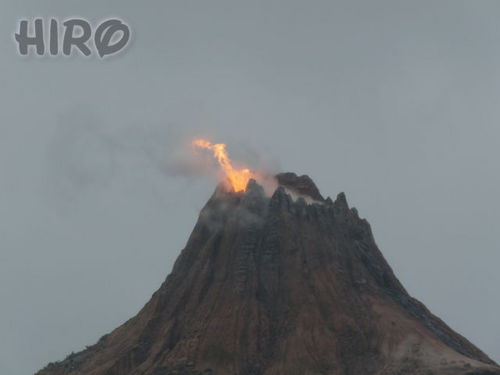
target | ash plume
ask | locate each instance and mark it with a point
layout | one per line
(89, 153)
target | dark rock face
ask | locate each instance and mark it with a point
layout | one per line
(268, 286)
(301, 184)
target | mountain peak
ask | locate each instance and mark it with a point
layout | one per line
(302, 185)
(277, 286)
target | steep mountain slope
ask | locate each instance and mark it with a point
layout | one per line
(288, 284)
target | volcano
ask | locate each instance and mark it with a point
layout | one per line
(288, 284)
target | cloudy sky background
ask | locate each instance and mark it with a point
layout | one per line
(394, 102)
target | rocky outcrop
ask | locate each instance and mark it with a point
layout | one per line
(276, 285)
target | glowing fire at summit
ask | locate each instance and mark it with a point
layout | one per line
(237, 178)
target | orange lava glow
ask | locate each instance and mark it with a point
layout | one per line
(237, 178)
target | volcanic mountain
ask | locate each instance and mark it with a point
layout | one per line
(288, 284)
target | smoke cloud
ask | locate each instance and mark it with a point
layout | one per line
(88, 153)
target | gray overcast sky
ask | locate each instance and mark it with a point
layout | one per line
(394, 102)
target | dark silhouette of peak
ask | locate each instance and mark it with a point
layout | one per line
(280, 285)
(302, 185)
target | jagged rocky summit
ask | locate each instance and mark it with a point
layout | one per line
(291, 284)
